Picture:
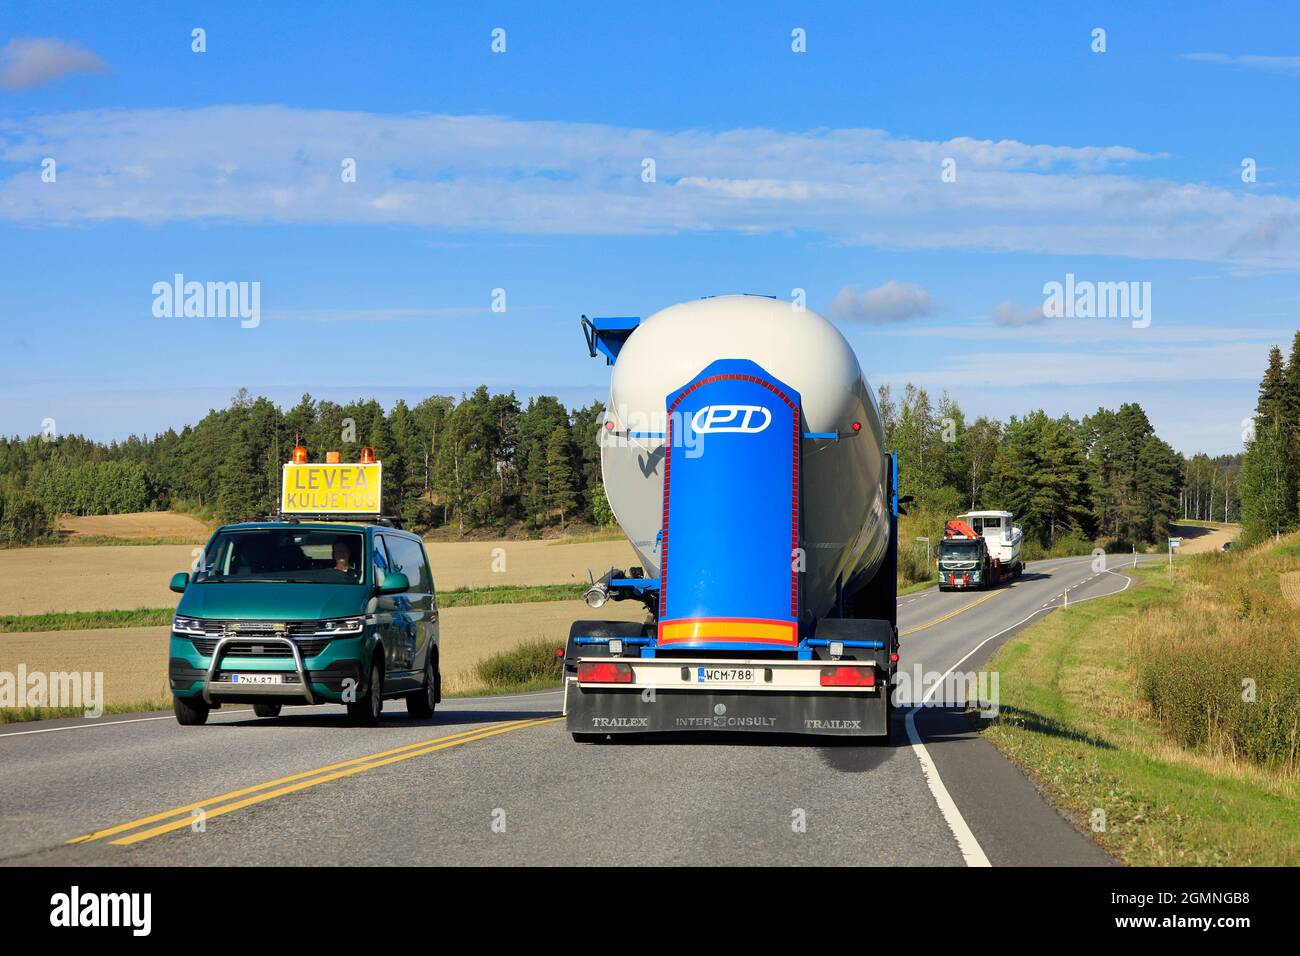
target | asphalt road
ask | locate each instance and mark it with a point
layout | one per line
(497, 780)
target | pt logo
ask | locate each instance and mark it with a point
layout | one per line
(746, 419)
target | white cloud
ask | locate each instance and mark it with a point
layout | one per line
(891, 302)
(1282, 64)
(482, 173)
(1014, 315)
(34, 61)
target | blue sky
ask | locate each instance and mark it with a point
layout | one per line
(522, 171)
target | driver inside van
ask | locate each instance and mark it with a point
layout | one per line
(343, 558)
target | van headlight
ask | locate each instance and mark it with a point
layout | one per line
(339, 626)
(188, 625)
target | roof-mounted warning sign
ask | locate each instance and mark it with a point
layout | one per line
(331, 488)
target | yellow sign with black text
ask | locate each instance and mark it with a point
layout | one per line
(345, 489)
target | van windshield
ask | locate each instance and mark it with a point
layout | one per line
(284, 556)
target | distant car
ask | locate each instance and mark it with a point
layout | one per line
(1227, 545)
(306, 613)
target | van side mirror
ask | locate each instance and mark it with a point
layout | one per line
(395, 582)
(180, 580)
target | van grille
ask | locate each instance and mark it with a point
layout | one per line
(248, 633)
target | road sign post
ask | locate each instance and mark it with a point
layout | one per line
(1173, 543)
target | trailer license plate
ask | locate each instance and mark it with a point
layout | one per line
(255, 679)
(725, 675)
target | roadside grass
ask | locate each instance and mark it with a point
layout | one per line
(915, 586)
(509, 594)
(1222, 676)
(1197, 523)
(1074, 717)
(527, 667)
(99, 540)
(85, 620)
(17, 715)
(604, 534)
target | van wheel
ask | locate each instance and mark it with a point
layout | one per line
(190, 711)
(267, 710)
(366, 709)
(420, 703)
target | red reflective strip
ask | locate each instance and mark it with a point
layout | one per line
(604, 672)
(841, 676)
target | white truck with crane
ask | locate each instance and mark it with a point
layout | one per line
(979, 550)
(742, 454)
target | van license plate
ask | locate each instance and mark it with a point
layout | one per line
(725, 675)
(255, 679)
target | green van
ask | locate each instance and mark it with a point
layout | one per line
(286, 612)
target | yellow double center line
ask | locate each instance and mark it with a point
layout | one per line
(180, 817)
(951, 614)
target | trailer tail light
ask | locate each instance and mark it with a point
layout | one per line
(842, 676)
(604, 672)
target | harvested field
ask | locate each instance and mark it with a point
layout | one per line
(135, 526)
(77, 578)
(470, 564)
(100, 578)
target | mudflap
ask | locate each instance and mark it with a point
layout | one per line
(629, 711)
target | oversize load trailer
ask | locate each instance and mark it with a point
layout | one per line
(741, 452)
(980, 553)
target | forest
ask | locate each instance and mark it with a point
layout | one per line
(491, 463)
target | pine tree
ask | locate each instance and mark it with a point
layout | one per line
(1269, 475)
(561, 494)
(1267, 506)
(1043, 476)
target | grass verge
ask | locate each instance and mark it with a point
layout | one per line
(915, 586)
(103, 540)
(1074, 717)
(509, 594)
(18, 715)
(530, 666)
(85, 620)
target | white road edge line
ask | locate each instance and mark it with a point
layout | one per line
(970, 848)
(107, 723)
